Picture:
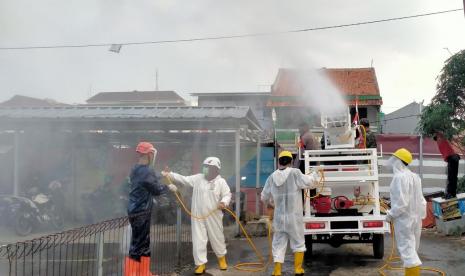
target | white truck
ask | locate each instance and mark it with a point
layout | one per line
(346, 207)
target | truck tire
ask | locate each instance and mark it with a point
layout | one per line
(309, 246)
(378, 246)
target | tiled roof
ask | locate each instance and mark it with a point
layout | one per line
(24, 101)
(350, 81)
(135, 96)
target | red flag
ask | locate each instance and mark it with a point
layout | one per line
(356, 117)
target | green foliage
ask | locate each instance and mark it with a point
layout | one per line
(461, 185)
(436, 118)
(446, 112)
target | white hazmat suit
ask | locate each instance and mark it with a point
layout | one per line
(283, 189)
(408, 208)
(205, 197)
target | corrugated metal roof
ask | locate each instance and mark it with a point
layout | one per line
(221, 94)
(128, 113)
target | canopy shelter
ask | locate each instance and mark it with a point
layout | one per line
(125, 126)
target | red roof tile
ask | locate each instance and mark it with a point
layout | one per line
(351, 81)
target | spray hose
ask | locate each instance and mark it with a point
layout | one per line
(321, 184)
(259, 266)
(364, 130)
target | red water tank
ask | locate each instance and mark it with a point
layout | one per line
(322, 204)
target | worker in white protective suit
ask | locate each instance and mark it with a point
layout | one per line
(283, 190)
(408, 208)
(211, 192)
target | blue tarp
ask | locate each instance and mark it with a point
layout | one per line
(249, 170)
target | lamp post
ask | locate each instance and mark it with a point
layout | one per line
(115, 48)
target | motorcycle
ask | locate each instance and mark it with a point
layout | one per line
(8, 208)
(164, 209)
(29, 214)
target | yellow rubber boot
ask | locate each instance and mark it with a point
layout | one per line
(222, 263)
(412, 271)
(298, 262)
(277, 269)
(199, 270)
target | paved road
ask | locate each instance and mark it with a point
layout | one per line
(446, 253)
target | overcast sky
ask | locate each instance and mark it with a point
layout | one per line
(407, 55)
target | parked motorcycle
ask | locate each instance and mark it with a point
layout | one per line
(164, 209)
(27, 214)
(8, 206)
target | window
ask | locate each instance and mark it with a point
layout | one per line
(362, 113)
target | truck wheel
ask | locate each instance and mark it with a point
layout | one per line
(378, 246)
(309, 246)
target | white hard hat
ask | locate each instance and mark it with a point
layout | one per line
(213, 161)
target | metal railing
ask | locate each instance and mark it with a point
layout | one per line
(97, 249)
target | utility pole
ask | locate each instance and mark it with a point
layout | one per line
(156, 78)
(275, 140)
(420, 165)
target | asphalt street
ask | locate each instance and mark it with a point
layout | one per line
(445, 253)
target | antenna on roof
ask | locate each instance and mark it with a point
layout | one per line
(371, 63)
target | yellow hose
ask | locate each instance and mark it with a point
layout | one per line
(395, 259)
(364, 136)
(321, 183)
(259, 266)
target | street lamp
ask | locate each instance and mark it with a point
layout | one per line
(115, 48)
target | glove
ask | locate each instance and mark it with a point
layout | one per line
(165, 173)
(173, 188)
(389, 218)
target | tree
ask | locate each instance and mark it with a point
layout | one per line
(446, 112)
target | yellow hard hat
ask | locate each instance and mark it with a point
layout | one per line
(403, 155)
(285, 153)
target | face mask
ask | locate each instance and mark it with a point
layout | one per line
(205, 171)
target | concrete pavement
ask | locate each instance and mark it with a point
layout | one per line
(446, 253)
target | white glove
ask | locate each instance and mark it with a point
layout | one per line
(165, 173)
(389, 218)
(173, 188)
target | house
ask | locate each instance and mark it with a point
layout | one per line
(289, 98)
(402, 121)
(137, 98)
(359, 86)
(257, 101)
(25, 101)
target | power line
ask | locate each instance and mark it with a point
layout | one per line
(401, 117)
(220, 37)
(395, 118)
